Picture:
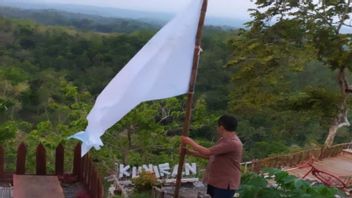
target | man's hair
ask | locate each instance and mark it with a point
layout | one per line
(228, 122)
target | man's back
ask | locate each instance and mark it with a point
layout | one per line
(224, 170)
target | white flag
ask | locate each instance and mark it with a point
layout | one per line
(161, 69)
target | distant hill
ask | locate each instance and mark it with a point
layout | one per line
(79, 21)
(149, 17)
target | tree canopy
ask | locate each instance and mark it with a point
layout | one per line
(286, 63)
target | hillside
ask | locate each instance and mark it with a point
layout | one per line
(158, 18)
(286, 82)
(49, 80)
(82, 22)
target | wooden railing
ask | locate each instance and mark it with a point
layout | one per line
(90, 177)
(83, 169)
(293, 159)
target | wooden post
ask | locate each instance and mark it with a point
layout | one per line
(83, 169)
(41, 160)
(21, 159)
(101, 189)
(87, 171)
(59, 160)
(94, 183)
(91, 177)
(2, 160)
(187, 121)
(77, 161)
(256, 165)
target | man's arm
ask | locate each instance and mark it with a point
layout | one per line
(196, 154)
(196, 147)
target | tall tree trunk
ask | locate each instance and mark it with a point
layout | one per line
(130, 130)
(341, 117)
(125, 153)
(129, 138)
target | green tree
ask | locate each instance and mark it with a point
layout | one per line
(288, 36)
(50, 76)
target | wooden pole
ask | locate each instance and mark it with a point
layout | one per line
(187, 121)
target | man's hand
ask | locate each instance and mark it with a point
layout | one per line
(200, 150)
(186, 140)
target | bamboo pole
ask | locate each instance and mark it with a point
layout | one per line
(187, 121)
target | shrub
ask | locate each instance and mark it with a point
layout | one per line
(145, 181)
(280, 184)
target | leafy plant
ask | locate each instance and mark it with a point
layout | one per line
(7, 131)
(277, 183)
(145, 181)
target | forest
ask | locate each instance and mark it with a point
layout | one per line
(287, 83)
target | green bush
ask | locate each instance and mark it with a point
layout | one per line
(145, 181)
(280, 184)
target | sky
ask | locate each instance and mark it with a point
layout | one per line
(219, 8)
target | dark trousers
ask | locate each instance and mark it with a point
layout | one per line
(215, 192)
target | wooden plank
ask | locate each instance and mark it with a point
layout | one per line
(82, 170)
(41, 160)
(30, 186)
(100, 188)
(21, 159)
(347, 152)
(91, 177)
(94, 183)
(77, 161)
(6, 178)
(256, 166)
(87, 172)
(59, 160)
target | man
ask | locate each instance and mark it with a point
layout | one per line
(223, 171)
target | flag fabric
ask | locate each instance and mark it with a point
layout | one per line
(161, 69)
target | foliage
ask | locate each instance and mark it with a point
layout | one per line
(7, 131)
(145, 181)
(48, 78)
(264, 148)
(280, 184)
(285, 66)
(80, 21)
(141, 194)
(282, 92)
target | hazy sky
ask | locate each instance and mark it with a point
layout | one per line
(221, 8)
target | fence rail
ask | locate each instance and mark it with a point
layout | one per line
(83, 169)
(293, 159)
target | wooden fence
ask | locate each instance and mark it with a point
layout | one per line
(291, 160)
(83, 169)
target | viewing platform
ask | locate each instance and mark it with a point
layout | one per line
(83, 181)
